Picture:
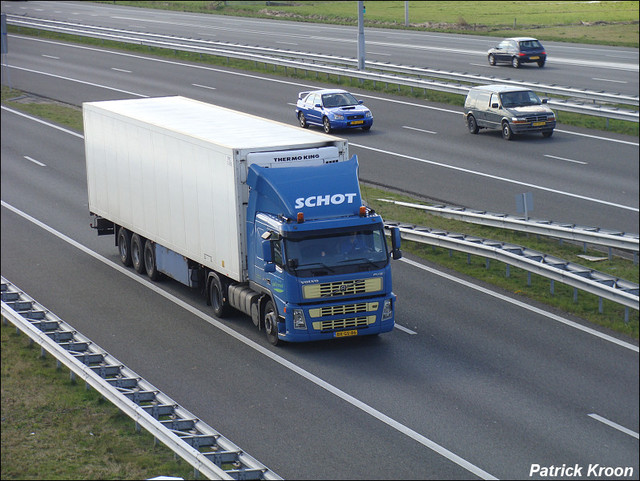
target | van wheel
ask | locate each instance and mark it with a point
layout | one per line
(271, 323)
(137, 253)
(124, 246)
(492, 59)
(548, 133)
(326, 125)
(472, 124)
(150, 261)
(515, 62)
(507, 133)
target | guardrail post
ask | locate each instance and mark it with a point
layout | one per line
(552, 287)
(626, 315)
(575, 295)
(529, 279)
(600, 309)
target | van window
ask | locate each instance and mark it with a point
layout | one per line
(494, 99)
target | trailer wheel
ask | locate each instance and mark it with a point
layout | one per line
(124, 246)
(216, 296)
(271, 323)
(137, 253)
(150, 261)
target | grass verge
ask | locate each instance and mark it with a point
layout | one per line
(53, 428)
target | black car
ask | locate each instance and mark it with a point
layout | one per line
(516, 51)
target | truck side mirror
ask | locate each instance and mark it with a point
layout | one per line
(396, 253)
(269, 266)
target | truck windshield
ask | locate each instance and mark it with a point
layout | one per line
(353, 251)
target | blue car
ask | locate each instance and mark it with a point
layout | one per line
(332, 109)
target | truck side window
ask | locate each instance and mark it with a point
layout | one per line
(276, 252)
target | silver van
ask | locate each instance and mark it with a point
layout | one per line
(514, 110)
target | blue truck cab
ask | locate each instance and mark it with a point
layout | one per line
(319, 253)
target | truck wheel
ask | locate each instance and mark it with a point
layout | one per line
(216, 295)
(507, 133)
(124, 246)
(150, 261)
(472, 124)
(137, 253)
(271, 323)
(302, 120)
(326, 125)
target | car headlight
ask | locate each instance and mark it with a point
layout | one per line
(298, 319)
(338, 116)
(387, 310)
(518, 120)
(368, 115)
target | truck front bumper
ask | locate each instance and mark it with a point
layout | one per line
(331, 321)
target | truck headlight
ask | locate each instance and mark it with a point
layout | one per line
(298, 319)
(387, 310)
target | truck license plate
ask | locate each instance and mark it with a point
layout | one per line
(357, 122)
(538, 124)
(353, 332)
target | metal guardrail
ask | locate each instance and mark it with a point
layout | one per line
(572, 232)
(190, 438)
(340, 66)
(602, 285)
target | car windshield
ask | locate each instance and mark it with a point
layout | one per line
(338, 100)
(353, 251)
(519, 99)
(530, 45)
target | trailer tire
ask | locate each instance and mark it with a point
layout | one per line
(216, 296)
(124, 246)
(150, 261)
(271, 323)
(137, 253)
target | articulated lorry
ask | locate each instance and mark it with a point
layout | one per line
(262, 217)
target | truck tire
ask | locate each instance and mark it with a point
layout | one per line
(271, 323)
(150, 261)
(124, 246)
(216, 295)
(137, 253)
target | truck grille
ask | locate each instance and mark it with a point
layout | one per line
(343, 309)
(342, 288)
(349, 323)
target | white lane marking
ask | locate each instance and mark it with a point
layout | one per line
(405, 329)
(287, 43)
(51, 56)
(21, 114)
(120, 70)
(496, 177)
(264, 351)
(523, 305)
(204, 86)
(614, 425)
(566, 160)
(419, 130)
(34, 161)
(610, 80)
